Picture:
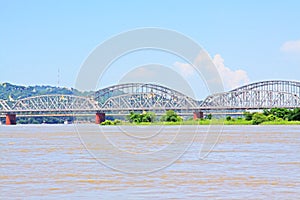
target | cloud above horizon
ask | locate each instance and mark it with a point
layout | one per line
(185, 69)
(292, 46)
(231, 78)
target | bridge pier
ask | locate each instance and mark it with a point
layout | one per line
(100, 117)
(198, 115)
(11, 119)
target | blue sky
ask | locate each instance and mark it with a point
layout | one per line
(249, 40)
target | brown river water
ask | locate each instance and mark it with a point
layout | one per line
(53, 162)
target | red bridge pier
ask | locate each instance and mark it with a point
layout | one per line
(198, 115)
(100, 117)
(11, 119)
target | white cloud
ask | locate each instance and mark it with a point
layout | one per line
(291, 47)
(185, 69)
(231, 78)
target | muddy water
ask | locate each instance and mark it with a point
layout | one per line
(248, 162)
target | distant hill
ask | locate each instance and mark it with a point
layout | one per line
(14, 92)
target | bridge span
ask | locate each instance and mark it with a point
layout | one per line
(124, 98)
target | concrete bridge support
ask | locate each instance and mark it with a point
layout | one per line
(198, 115)
(100, 117)
(11, 119)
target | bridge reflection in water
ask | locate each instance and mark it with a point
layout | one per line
(124, 98)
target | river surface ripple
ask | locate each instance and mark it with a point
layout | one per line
(248, 162)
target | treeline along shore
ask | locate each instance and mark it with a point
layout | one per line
(274, 116)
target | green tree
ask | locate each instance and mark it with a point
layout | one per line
(209, 116)
(294, 115)
(147, 117)
(228, 118)
(266, 112)
(248, 116)
(141, 117)
(134, 117)
(271, 117)
(258, 118)
(171, 116)
(282, 113)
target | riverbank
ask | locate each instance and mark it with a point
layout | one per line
(209, 122)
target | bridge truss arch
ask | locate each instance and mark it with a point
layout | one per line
(55, 103)
(267, 94)
(140, 96)
(292, 87)
(147, 101)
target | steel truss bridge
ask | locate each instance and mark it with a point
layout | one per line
(123, 98)
(261, 95)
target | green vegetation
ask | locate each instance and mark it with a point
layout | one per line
(274, 116)
(228, 118)
(149, 118)
(171, 116)
(109, 122)
(141, 117)
(258, 118)
(15, 92)
(209, 116)
(248, 116)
